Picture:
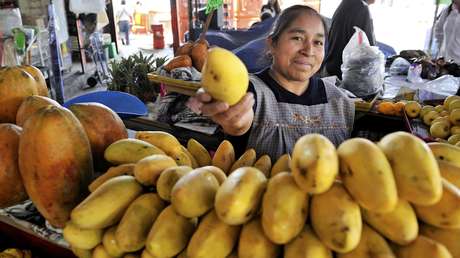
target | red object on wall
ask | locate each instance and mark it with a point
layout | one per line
(158, 38)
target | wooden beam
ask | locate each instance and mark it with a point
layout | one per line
(174, 24)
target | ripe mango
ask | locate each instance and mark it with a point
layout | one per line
(416, 172)
(238, 198)
(306, 245)
(213, 238)
(372, 244)
(448, 237)
(110, 243)
(399, 225)
(367, 175)
(82, 238)
(106, 205)
(315, 163)
(135, 224)
(254, 243)
(423, 247)
(193, 194)
(129, 151)
(284, 208)
(446, 212)
(170, 233)
(222, 83)
(336, 219)
(148, 170)
(168, 179)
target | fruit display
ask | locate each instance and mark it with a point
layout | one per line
(396, 198)
(443, 121)
(15, 253)
(188, 55)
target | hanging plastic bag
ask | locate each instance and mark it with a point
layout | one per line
(86, 6)
(363, 66)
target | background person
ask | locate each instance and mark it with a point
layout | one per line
(447, 32)
(124, 16)
(350, 13)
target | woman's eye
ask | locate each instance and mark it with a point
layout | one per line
(297, 38)
(319, 43)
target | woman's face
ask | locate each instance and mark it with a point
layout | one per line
(299, 51)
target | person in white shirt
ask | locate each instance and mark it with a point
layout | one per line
(124, 18)
(447, 32)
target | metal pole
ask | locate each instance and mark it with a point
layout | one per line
(190, 20)
(57, 84)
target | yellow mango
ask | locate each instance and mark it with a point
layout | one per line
(216, 172)
(199, 152)
(423, 247)
(371, 245)
(306, 245)
(264, 164)
(222, 83)
(414, 166)
(315, 163)
(129, 151)
(134, 226)
(238, 198)
(367, 175)
(123, 169)
(193, 194)
(213, 238)
(283, 164)
(246, 160)
(224, 156)
(148, 170)
(254, 243)
(446, 152)
(450, 172)
(82, 238)
(110, 244)
(170, 234)
(168, 179)
(100, 252)
(446, 212)
(81, 253)
(450, 238)
(336, 219)
(399, 225)
(284, 208)
(105, 206)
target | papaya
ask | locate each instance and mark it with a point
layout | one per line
(40, 81)
(15, 85)
(102, 126)
(56, 170)
(30, 105)
(12, 189)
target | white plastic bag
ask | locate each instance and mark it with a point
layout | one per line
(86, 6)
(363, 66)
(9, 19)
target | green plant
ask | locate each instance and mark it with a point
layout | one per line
(130, 75)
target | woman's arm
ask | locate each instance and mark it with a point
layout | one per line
(235, 120)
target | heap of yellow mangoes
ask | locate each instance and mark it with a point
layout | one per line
(399, 197)
(15, 253)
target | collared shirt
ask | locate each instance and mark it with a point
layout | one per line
(447, 34)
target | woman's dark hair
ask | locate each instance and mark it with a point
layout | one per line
(288, 16)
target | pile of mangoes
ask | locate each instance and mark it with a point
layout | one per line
(395, 198)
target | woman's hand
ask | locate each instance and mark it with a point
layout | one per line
(235, 120)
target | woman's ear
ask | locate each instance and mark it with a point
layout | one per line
(270, 43)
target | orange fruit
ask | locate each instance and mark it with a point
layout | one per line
(386, 108)
(399, 107)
